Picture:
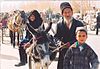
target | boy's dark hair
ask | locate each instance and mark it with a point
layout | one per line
(81, 29)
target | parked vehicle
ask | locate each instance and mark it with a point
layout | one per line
(93, 26)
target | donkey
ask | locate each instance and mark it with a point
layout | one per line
(41, 51)
(16, 25)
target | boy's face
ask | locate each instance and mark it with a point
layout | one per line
(81, 36)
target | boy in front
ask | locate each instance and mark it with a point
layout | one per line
(80, 55)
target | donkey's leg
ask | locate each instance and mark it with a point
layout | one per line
(45, 67)
(37, 65)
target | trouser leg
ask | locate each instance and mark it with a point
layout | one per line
(11, 37)
(14, 36)
(61, 58)
(17, 38)
(23, 55)
(97, 31)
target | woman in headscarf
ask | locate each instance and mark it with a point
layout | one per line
(34, 21)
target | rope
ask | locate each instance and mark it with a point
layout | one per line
(59, 47)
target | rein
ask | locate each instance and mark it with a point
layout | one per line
(38, 37)
(59, 47)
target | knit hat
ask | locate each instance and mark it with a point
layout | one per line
(65, 5)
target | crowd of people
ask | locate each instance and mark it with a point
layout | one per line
(76, 54)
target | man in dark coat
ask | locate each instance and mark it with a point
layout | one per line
(66, 30)
(98, 23)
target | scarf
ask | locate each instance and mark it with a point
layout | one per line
(81, 47)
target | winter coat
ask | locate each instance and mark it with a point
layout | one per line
(80, 59)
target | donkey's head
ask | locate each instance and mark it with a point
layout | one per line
(41, 50)
(44, 49)
(43, 53)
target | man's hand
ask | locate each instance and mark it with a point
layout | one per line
(27, 45)
(66, 45)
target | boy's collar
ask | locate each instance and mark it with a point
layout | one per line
(83, 45)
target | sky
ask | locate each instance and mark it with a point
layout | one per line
(6, 6)
(10, 5)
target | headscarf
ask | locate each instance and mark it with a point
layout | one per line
(38, 20)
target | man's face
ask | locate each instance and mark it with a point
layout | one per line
(81, 36)
(67, 13)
